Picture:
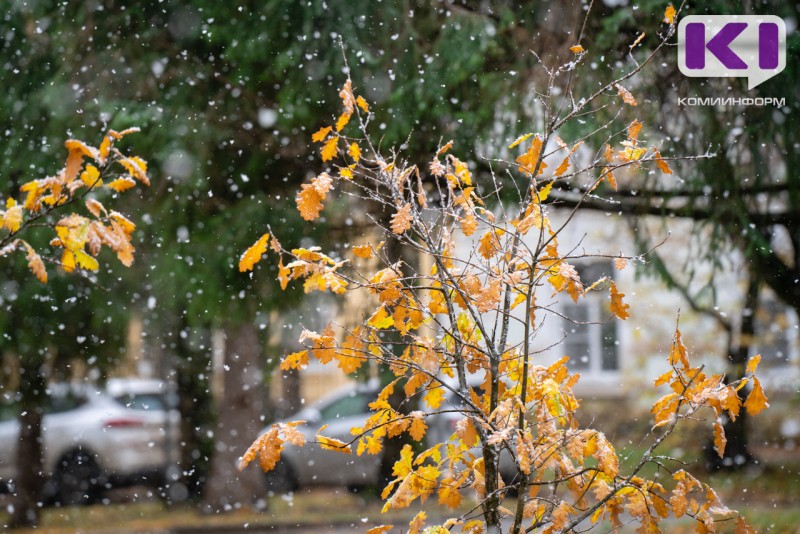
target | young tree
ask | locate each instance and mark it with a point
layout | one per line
(67, 207)
(524, 410)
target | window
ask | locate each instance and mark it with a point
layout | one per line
(590, 335)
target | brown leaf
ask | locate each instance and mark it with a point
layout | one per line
(626, 95)
(401, 221)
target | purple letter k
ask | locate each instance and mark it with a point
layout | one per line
(719, 45)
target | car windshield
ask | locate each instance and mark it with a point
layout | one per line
(345, 407)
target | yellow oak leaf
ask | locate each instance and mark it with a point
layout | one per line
(121, 184)
(577, 49)
(12, 218)
(332, 444)
(330, 149)
(380, 529)
(520, 139)
(360, 102)
(354, 151)
(618, 307)
(669, 14)
(752, 364)
(434, 397)
(381, 319)
(450, 493)
(344, 118)
(321, 134)
(417, 523)
(401, 221)
(91, 176)
(253, 254)
(529, 159)
(85, 261)
(137, 167)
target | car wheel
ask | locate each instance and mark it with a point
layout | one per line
(282, 479)
(77, 479)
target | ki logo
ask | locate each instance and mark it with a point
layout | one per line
(713, 46)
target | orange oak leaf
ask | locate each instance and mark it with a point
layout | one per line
(35, 263)
(669, 14)
(321, 134)
(363, 251)
(756, 400)
(626, 95)
(618, 307)
(330, 149)
(401, 221)
(253, 254)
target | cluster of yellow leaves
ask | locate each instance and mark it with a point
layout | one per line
(692, 389)
(310, 198)
(80, 237)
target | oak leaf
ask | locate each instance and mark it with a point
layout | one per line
(253, 254)
(332, 444)
(529, 159)
(121, 184)
(354, 151)
(626, 95)
(618, 307)
(669, 14)
(295, 360)
(35, 263)
(363, 251)
(719, 438)
(753, 364)
(330, 149)
(401, 221)
(321, 134)
(756, 400)
(344, 118)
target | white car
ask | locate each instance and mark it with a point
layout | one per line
(98, 438)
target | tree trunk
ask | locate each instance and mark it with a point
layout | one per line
(197, 417)
(238, 424)
(30, 478)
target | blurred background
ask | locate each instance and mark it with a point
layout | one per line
(227, 96)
